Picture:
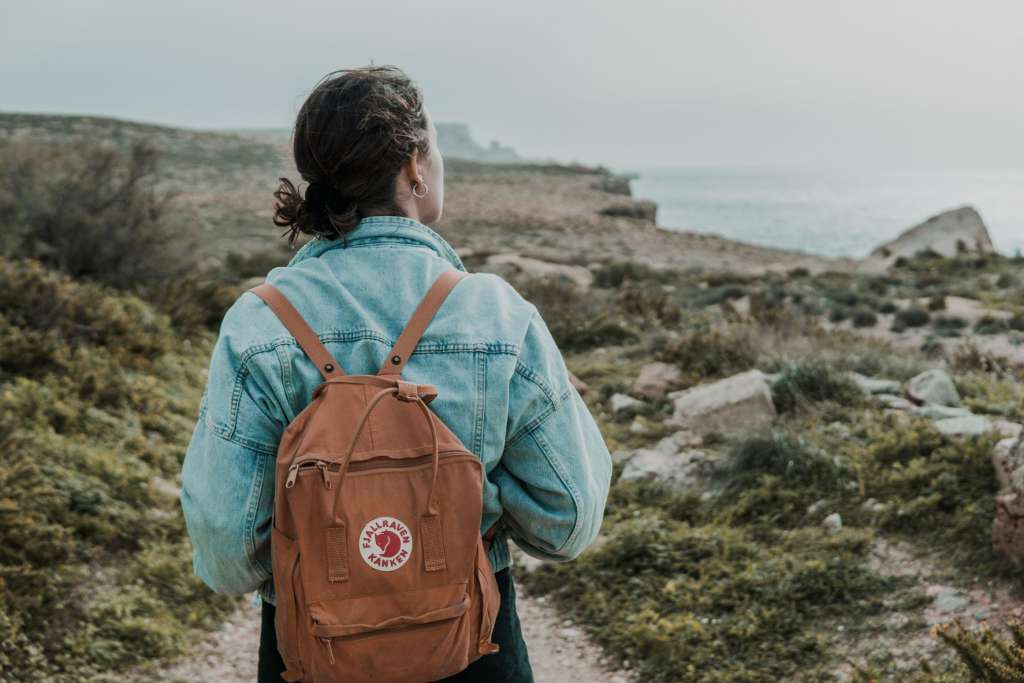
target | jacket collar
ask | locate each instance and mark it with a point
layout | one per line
(382, 229)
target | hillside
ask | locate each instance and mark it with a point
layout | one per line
(812, 462)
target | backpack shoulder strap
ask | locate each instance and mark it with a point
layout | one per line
(300, 329)
(438, 292)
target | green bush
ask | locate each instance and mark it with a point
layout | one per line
(92, 211)
(812, 380)
(98, 397)
(911, 317)
(712, 352)
(864, 317)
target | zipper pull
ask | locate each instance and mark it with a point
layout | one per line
(325, 474)
(293, 473)
(330, 650)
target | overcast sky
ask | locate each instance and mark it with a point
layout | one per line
(898, 83)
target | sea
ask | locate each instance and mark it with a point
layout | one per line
(828, 212)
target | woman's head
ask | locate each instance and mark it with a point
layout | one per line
(366, 145)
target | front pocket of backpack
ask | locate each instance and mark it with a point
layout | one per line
(412, 635)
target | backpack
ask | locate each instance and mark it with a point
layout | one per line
(380, 571)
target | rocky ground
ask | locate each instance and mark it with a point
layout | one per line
(559, 651)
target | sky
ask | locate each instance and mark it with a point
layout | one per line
(817, 83)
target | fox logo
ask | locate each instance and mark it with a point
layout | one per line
(385, 543)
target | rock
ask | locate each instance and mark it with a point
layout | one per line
(532, 267)
(1008, 525)
(894, 402)
(934, 386)
(639, 425)
(970, 425)
(620, 402)
(872, 386)
(742, 401)
(872, 505)
(1007, 429)
(674, 467)
(833, 522)
(815, 507)
(947, 234)
(1007, 458)
(950, 600)
(641, 209)
(613, 184)
(674, 443)
(621, 456)
(528, 563)
(936, 412)
(655, 379)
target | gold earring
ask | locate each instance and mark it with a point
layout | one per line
(425, 190)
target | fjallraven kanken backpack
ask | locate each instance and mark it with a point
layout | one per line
(380, 571)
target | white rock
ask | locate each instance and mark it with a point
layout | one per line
(833, 522)
(971, 425)
(639, 425)
(620, 402)
(655, 379)
(742, 401)
(894, 402)
(1007, 429)
(937, 412)
(944, 234)
(679, 468)
(870, 385)
(578, 275)
(934, 386)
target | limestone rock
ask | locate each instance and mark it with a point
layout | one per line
(655, 379)
(894, 402)
(937, 412)
(620, 402)
(742, 401)
(871, 386)
(679, 468)
(833, 522)
(934, 386)
(947, 233)
(532, 267)
(1008, 525)
(969, 425)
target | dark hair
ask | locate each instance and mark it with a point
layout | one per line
(352, 135)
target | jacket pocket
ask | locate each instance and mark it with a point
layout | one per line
(371, 638)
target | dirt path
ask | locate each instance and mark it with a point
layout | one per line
(559, 651)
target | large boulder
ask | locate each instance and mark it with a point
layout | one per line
(655, 379)
(640, 209)
(532, 267)
(672, 460)
(948, 234)
(742, 401)
(934, 387)
(1008, 525)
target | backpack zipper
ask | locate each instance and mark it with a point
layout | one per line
(382, 463)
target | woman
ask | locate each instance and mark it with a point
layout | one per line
(368, 149)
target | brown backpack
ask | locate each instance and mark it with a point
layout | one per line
(380, 571)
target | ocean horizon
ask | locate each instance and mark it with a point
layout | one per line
(842, 213)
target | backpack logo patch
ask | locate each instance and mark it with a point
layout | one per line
(385, 543)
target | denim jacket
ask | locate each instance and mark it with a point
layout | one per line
(503, 389)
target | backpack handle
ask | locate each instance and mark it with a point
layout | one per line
(402, 396)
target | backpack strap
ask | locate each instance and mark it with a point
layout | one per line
(438, 292)
(300, 329)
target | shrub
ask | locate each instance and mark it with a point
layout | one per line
(90, 210)
(937, 303)
(991, 325)
(98, 397)
(887, 307)
(712, 353)
(912, 317)
(811, 380)
(864, 317)
(578, 320)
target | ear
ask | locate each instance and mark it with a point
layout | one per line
(411, 166)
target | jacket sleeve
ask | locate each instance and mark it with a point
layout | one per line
(227, 478)
(555, 471)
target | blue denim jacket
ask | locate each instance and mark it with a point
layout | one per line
(503, 389)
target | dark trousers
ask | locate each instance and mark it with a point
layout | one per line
(509, 665)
